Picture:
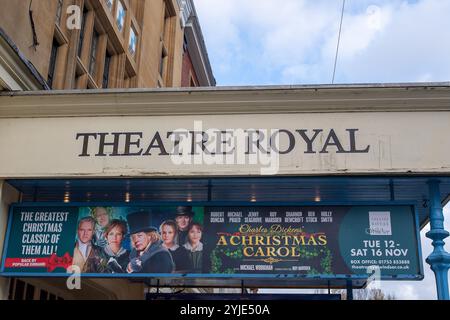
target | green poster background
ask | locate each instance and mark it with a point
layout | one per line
(26, 245)
(395, 254)
(350, 247)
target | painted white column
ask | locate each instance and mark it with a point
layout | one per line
(7, 195)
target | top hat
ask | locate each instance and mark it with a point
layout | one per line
(184, 211)
(141, 221)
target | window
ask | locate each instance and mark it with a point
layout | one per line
(29, 293)
(105, 82)
(83, 25)
(167, 39)
(43, 295)
(132, 42)
(109, 4)
(185, 44)
(52, 65)
(12, 284)
(120, 19)
(59, 8)
(192, 82)
(21, 290)
(93, 55)
(162, 62)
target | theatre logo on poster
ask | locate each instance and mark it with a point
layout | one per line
(380, 223)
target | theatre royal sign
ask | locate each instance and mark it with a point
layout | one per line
(221, 145)
(218, 146)
(107, 135)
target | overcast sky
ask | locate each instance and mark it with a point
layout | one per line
(294, 41)
(259, 42)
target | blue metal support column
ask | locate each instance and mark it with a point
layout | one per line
(349, 290)
(439, 259)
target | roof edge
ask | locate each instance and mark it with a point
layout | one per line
(403, 85)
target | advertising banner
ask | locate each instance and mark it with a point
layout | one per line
(325, 241)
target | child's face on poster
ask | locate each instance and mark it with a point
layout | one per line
(195, 235)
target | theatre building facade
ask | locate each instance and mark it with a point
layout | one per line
(95, 44)
(293, 187)
(127, 185)
(87, 45)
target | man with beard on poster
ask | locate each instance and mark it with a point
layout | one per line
(183, 218)
(148, 254)
(102, 217)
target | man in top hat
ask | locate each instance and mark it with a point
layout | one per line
(148, 255)
(183, 218)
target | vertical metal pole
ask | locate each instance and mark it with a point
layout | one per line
(439, 259)
(349, 290)
(209, 190)
(34, 194)
(391, 190)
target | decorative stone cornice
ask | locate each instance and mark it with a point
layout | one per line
(16, 72)
(415, 97)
